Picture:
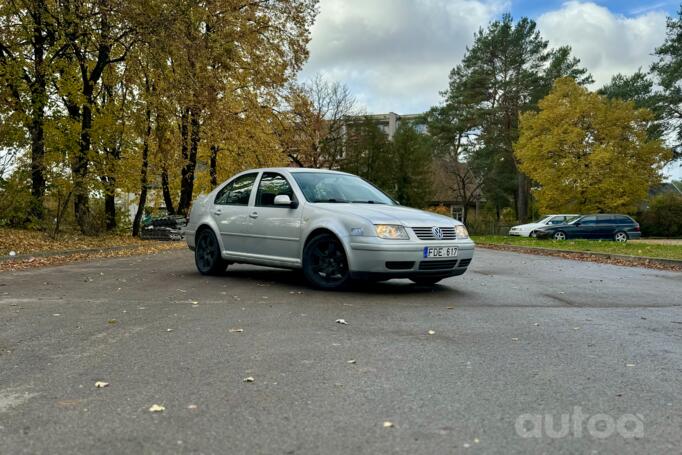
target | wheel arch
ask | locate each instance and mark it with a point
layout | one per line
(207, 225)
(326, 229)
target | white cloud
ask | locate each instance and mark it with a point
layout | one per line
(396, 55)
(606, 43)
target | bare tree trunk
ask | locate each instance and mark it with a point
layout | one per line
(143, 174)
(213, 166)
(522, 197)
(80, 170)
(38, 103)
(187, 181)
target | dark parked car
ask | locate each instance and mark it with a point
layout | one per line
(601, 226)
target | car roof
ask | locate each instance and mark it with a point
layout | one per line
(294, 170)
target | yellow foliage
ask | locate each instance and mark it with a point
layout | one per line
(588, 153)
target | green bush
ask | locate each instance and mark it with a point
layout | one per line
(15, 200)
(663, 217)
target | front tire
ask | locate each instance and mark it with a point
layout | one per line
(325, 265)
(207, 255)
(533, 235)
(621, 237)
(559, 235)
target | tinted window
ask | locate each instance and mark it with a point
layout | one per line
(605, 219)
(621, 219)
(588, 220)
(557, 220)
(272, 185)
(236, 192)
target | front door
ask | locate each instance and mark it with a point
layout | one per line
(588, 228)
(276, 229)
(231, 212)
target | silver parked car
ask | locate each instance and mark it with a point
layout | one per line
(333, 225)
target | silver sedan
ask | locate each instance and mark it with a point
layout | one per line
(335, 226)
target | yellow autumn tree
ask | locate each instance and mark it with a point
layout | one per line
(588, 153)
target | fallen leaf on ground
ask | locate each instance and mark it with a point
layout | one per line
(515, 339)
(157, 408)
(236, 330)
(341, 321)
(169, 330)
(101, 384)
(629, 364)
(352, 361)
(112, 321)
(249, 379)
(431, 332)
(192, 406)
(388, 424)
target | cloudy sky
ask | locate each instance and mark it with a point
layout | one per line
(395, 55)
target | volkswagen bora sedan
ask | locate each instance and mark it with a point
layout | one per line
(598, 226)
(334, 226)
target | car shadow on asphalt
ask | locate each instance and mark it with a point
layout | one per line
(294, 279)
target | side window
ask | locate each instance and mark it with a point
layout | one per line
(236, 192)
(272, 185)
(605, 219)
(589, 221)
(623, 220)
(557, 220)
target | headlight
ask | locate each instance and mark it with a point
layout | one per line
(391, 231)
(461, 232)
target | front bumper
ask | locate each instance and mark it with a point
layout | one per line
(378, 258)
(543, 234)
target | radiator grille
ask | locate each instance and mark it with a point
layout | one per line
(437, 265)
(426, 233)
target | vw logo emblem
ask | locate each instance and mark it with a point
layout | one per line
(437, 232)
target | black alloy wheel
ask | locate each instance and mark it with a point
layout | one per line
(207, 254)
(324, 263)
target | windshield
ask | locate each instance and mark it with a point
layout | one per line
(339, 188)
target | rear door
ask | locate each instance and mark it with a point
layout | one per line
(276, 231)
(231, 212)
(606, 226)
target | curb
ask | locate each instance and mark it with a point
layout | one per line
(633, 260)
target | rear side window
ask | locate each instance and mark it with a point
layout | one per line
(236, 192)
(622, 219)
(605, 219)
(589, 220)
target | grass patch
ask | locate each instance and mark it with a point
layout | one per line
(634, 248)
(24, 241)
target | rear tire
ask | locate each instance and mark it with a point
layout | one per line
(559, 235)
(425, 281)
(207, 255)
(325, 265)
(621, 237)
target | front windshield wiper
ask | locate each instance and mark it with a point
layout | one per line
(332, 200)
(367, 202)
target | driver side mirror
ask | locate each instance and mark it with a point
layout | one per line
(285, 200)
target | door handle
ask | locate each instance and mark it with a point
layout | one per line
(253, 214)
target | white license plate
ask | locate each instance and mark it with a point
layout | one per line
(440, 252)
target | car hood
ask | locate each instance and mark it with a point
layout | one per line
(390, 214)
(528, 226)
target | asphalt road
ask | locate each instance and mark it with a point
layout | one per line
(517, 338)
